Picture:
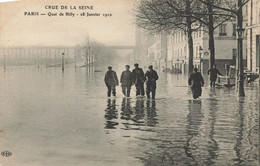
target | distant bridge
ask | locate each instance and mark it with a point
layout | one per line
(122, 47)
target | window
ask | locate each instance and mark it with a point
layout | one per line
(196, 51)
(234, 52)
(234, 30)
(222, 30)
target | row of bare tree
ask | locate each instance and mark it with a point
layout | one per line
(190, 16)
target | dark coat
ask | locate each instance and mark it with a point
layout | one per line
(213, 74)
(138, 76)
(111, 78)
(151, 76)
(196, 81)
(126, 78)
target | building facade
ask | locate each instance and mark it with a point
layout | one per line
(253, 35)
(225, 48)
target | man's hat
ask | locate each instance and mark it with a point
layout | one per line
(109, 67)
(150, 67)
(136, 64)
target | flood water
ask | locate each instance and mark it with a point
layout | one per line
(52, 119)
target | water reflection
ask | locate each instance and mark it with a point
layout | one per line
(151, 113)
(194, 119)
(111, 114)
(212, 146)
(238, 146)
(126, 109)
(139, 112)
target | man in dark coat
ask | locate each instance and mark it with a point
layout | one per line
(213, 75)
(195, 82)
(126, 81)
(111, 81)
(139, 79)
(151, 76)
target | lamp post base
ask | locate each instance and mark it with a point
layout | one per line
(240, 87)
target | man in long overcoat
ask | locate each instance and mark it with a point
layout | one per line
(111, 81)
(152, 77)
(195, 82)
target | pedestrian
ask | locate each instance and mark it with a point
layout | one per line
(111, 81)
(152, 77)
(213, 75)
(195, 82)
(139, 79)
(126, 81)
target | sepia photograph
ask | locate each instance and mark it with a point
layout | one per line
(129, 82)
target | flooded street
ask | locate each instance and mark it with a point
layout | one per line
(55, 119)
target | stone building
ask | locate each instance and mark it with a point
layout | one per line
(253, 35)
(225, 48)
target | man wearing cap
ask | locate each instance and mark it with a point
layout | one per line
(126, 81)
(139, 79)
(152, 77)
(111, 81)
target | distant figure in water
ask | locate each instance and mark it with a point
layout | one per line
(196, 81)
(152, 77)
(213, 75)
(126, 81)
(111, 81)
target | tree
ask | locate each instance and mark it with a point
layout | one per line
(212, 18)
(236, 8)
(164, 15)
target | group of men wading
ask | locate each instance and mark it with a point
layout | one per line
(137, 78)
(128, 78)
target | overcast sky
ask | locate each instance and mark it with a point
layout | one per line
(16, 29)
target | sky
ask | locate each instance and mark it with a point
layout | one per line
(19, 28)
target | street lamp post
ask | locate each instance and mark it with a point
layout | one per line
(239, 64)
(200, 52)
(240, 71)
(62, 62)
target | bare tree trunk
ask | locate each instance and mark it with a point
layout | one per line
(211, 36)
(190, 40)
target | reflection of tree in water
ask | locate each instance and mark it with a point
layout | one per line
(151, 113)
(194, 118)
(111, 114)
(212, 144)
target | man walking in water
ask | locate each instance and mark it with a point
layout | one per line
(213, 75)
(151, 76)
(111, 81)
(139, 79)
(126, 81)
(195, 82)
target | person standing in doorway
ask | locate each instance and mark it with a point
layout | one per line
(152, 77)
(111, 81)
(195, 82)
(139, 79)
(126, 81)
(213, 73)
